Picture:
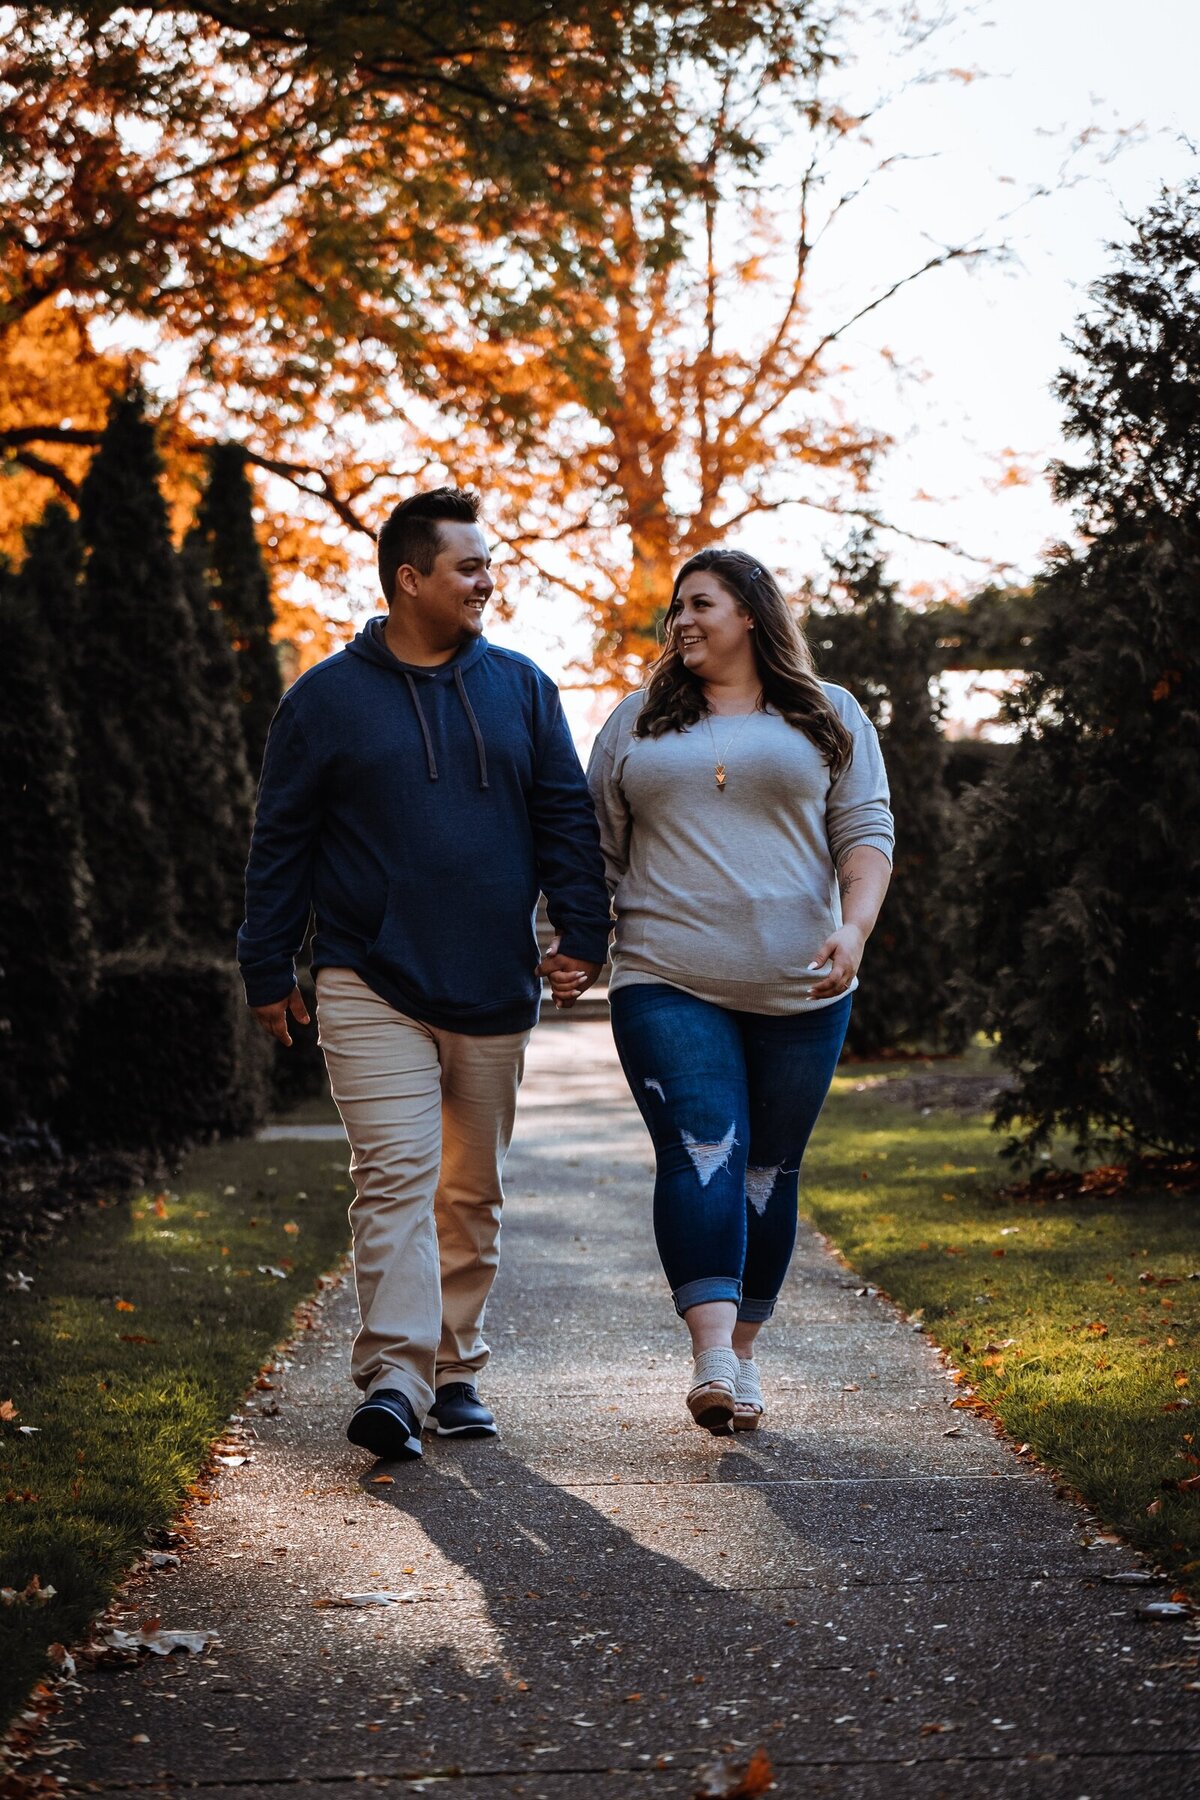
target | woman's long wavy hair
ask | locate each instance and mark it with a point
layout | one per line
(675, 697)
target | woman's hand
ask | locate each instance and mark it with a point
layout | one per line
(844, 948)
(567, 975)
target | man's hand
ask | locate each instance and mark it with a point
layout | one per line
(844, 948)
(274, 1018)
(568, 977)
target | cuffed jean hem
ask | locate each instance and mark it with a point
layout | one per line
(755, 1312)
(711, 1287)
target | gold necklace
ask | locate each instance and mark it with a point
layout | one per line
(720, 759)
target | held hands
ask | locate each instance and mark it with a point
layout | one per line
(274, 1018)
(844, 948)
(568, 977)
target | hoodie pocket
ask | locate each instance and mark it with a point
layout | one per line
(466, 945)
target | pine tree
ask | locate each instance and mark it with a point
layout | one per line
(47, 963)
(1082, 910)
(866, 640)
(232, 800)
(156, 798)
(225, 546)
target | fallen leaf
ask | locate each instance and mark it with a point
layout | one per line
(270, 1269)
(380, 1597)
(62, 1659)
(20, 1281)
(8, 1411)
(1132, 1578)
(954, 1431)
(291, 1228)
(136, 1337)
(124, 1306)
(29, 1430)
(383, 1481)
(729, 1778)
(1163, 1609)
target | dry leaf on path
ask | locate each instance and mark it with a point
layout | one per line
(8, 1412)
(729, 1778)
(381, 1597)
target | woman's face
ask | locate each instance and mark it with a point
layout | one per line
(712, 628)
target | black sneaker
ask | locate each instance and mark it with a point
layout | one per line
(386, 1425)
(459, 1412)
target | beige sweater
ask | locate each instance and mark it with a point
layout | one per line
(730, 894)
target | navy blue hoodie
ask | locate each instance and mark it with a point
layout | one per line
(419, 812)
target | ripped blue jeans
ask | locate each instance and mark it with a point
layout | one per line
(730, 1100)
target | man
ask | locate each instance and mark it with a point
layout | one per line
(419, 789)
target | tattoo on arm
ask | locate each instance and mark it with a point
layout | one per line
(846, 880)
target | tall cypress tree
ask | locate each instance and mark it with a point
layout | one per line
(232, 796)
(1082, 890)
(155, 800)
(225, 546)
(886, 655)
(116, 674)
(47, 961)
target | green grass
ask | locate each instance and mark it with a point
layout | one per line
(1101, 1366)
(146, 1321)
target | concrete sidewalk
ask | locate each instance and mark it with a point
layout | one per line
(607, 1599)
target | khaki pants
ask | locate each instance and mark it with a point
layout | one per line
(429, 1115)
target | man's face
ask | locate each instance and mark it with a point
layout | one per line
(446, 606)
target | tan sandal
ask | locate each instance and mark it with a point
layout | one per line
(712, 1396)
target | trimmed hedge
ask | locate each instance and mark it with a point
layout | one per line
(167, 1054)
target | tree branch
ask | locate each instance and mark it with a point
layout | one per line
(37, 465)
(869, 516)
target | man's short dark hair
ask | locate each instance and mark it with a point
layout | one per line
(411, 532)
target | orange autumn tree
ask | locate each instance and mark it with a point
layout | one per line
(696, 383)
(336, 211)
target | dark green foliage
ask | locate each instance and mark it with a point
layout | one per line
(224, 546)
(231, 797)
(159, 809)
(167, 1053)
(130, 663)
(887, 656)
(992, 629)
(1082, 913)
(46, 954)
(971, 760)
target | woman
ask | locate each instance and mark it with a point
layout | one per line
(744, 816)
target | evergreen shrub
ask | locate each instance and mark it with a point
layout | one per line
(167, 1053)
(1080, 917)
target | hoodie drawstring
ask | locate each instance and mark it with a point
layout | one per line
(482, 753)
(431, 760)
(416, 700)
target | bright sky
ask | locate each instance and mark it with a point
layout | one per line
(988, 340)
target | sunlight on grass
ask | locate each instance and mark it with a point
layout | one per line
(1077, 1321)
(146, 1320)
